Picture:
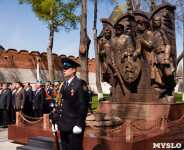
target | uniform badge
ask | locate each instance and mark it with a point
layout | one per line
(85, 88)
(72, 91)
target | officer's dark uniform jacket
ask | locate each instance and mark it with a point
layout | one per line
(73, 106)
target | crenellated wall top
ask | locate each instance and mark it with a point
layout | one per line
(24, 59)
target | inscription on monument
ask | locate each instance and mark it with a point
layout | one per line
(130, 111)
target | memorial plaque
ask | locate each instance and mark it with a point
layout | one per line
(130, 111)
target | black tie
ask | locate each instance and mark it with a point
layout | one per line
(66, 85)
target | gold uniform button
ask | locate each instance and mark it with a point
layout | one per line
(62, 99)
(60, 110)
(60, 115)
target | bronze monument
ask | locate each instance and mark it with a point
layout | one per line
(138, 56)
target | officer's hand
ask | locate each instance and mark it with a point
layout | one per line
(54, 128)
(77, 130)
(21, 107)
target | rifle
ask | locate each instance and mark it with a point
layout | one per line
(117, 73)
(56, 143)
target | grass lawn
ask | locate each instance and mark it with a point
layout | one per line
(96, 102)
(178, 97)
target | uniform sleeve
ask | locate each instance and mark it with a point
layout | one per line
(56, 115)
(51, 92)
(30, 95)
(43, 96)
(9, 96)
(83, 103)
(24, 98)
(15, 100)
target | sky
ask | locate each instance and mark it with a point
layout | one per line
(20, 29)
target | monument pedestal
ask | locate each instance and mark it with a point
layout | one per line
(118, 139)
(142, 110)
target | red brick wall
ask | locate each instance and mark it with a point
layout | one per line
(25, 60)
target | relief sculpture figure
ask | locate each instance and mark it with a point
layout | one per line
(143, 40)
(161, 52)
(162, 65)
(122, 48)
(105, 58)
(138, 55)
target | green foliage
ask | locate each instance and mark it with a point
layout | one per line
(57, 13)
(120, 10)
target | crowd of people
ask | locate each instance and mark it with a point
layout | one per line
(74, 97)
(21, 97)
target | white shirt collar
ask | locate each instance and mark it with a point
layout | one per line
(39, 89)
(27, 89)
(14, 90)
(69, 81)
(20, 88)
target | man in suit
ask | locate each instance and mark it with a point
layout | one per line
(38, 101)
(12, 104)
(71, 113)
(20, 97)
(5, 104)
(29, 100)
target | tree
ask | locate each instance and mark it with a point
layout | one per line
(98, 83)
(136, 4)
(129, 6)
(84, 44)
(180, 69)
(58, 14)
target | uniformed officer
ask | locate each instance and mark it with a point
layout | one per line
(49, 96)
(71, 113)
(55, 91)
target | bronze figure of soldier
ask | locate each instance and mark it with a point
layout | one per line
(122, 45)
(160, 56)
(104, 51)
(122, 48)
(143, 40)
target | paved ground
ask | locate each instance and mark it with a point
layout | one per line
(6, 144)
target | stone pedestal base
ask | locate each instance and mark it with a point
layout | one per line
(140, 110)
